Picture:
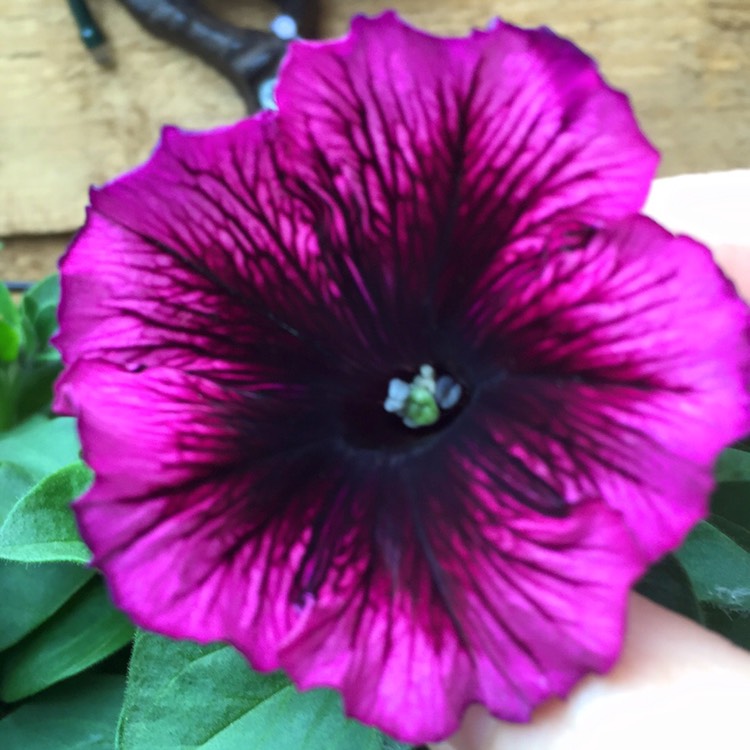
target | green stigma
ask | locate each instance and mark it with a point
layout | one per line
(421, 402)
(420, 409)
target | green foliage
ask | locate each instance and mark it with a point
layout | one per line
(10, 329)
(733, 466)
(15, 482)
(30, 594)
(181, 695)
(80, 714)
(668, 583)
(28, 364)
(84, 631)
(712, 568)
(731, 624)
(41, 526)
(731, 499)
(39, 313)
(10, 342)
(41, 445)
(718, 567)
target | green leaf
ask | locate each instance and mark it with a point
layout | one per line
(26, 382)
(732, 625)
(15, 482)
(38, 307)
(733, 466)
(44, 292)
(41, 527)
(85, 631)
(731, 500)
(30, 594)
(667, 583)
(35, 384)
(181, 695)
(45, 324)
(388, 743)
(742, 445)
(41, 445)
(10, 342)
(718, 567)
(80, 714)
(10, 334)
(8, 387)
(39, 362)
(738, 534)
(8, 309)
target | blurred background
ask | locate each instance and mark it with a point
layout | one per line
(67, 123)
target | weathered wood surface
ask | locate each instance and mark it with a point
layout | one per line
(65, 123)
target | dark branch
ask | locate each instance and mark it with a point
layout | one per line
(91, 33)
(245, 56)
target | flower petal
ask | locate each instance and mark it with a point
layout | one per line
(183, 489)
(213, 261)
(199, 261)
(169, 521)
(620, 369)
(136, 305)
(404, 665)
(237, 311)
(436, 152)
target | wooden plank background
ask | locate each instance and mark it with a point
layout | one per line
(66, 123)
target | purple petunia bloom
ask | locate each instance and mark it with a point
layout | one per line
(393, 388)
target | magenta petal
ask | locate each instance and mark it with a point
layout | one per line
(149, 429)
(392, 389)
(188, 262)
(179, 559)
(525, 598)
(625, 372)
(428, 142)
(137, 305)
(167, 513)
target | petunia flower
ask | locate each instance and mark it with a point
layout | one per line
(393, 388)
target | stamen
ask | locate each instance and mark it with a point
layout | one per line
(419, 403)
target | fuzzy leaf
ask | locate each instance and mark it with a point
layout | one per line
(719, 568)
(85, 631)
(733, 465)
(731, 500)
(41, 527)
(29, 594)
(181, 695)
(80, 714)
(667, 583)
(15, 482)
(41, 445)
(33, 593)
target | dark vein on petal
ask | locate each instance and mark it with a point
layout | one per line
(436, 573)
